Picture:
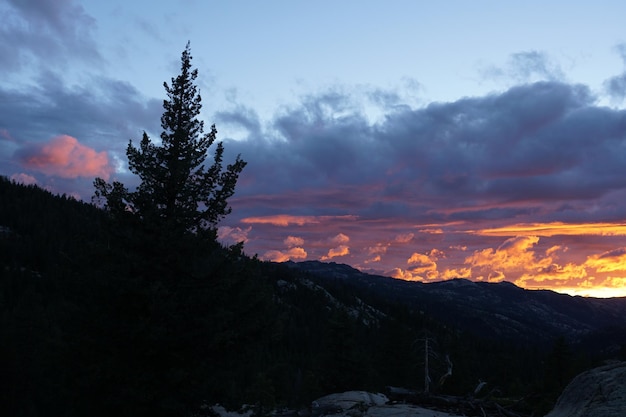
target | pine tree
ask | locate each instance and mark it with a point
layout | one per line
(178, 195)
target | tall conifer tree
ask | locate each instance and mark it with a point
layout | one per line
(178, 194)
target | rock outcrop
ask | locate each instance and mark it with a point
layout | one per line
(367, 404)
(599, 392)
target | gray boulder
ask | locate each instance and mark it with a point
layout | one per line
(599, 392)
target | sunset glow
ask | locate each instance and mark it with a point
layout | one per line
(397, 151)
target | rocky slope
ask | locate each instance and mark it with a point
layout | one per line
(599, 392)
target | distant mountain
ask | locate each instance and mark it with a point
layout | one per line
(492, 310)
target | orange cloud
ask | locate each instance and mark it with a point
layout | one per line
(455, 273)
(555, 229)
(341, 250)
(284, 220)
(431, 231)
(610, 261)
(554, 274)
(399, 273)
(376, 258)
(65, 157)
(608, 287)
(436, 254)
(284, 256)
(514, 253)
(422, 264)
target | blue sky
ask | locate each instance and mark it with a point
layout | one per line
(421, 140)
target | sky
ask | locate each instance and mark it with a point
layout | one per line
(420, 140)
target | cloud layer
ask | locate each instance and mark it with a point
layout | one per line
(525, 184)
(487, 188)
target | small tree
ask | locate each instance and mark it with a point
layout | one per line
(178, 195)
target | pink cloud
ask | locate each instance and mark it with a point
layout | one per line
(233, 234)
(340, 239)
(65, 157)
(404, 238)
(292, 241)
(24, 179)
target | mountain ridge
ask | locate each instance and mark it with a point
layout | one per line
(490, 309)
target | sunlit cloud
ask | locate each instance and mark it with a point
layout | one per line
(603, 288)
(65, 157)
(404, 238)
(378, 249)
(341, 250)
(376, 258)
(611, 261)
(340, 239)
(284, 256)
(513, 253)
(431, 231)
(452, 273)
(552, 275)
(285, 220)
(291, 241)
(233, 234)
(556, 229)
(405, 275)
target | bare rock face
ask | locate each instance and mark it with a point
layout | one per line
(599, 392)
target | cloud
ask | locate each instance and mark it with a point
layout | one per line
(616, 86)
(341, 250)
(233, 234)
(610, 261)
(25, 179)
(340, 239)
(42, 31)
(404, 238)
(514, 253)
(541, 153)
(557, 229)
(420, 264)
(284, 256)
(287, 220)
(400, 273)
(526, 67)
(65, 157)
(292, 241)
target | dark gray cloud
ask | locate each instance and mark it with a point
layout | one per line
(541, 149)
(103, 115)
(98, 114)
(36, 33)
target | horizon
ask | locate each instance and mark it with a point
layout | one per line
(425, 142)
